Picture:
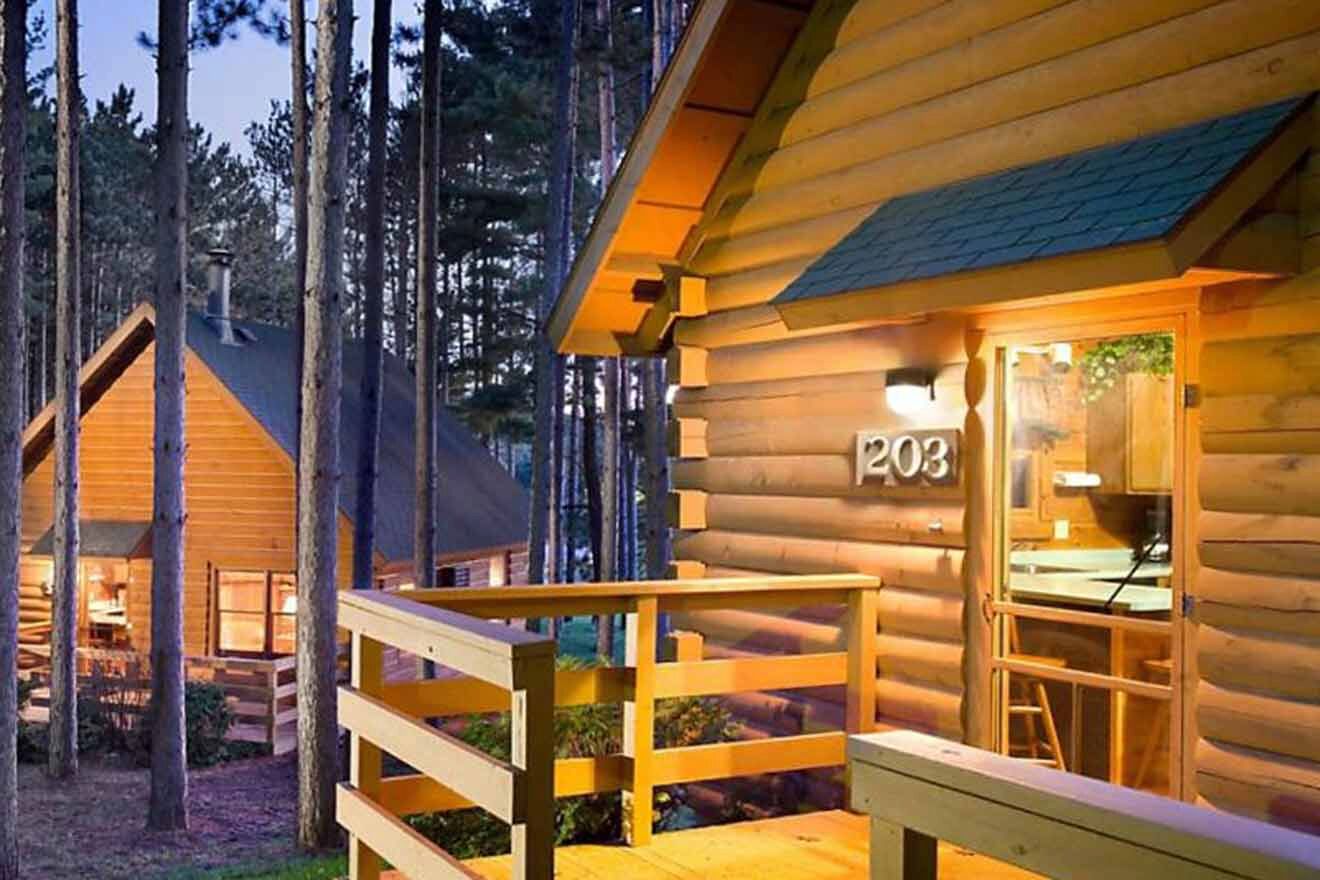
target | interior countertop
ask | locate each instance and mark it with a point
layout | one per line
(1089, 578)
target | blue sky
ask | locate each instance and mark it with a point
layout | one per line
(228, 87)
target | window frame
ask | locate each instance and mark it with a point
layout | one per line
(268, 612)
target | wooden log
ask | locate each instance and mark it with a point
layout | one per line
(1261, 412)
(930, 709)
(921, 613)
(687, 509)
(762, 631)
(1261, 442)
(1271, 788)
(687, 366)
(926, 344)
(1239, 601)
(1283, 727)
(864, 19)
(920, 660)
(687, 438)
(1267, 664)
(1281, 558)
(756, 324)
(823, 435)
(932, 568)
(1236, 527)
(841, 198)
(829, 476)
(1281, 484)
(859, 393)
(1278, 366)
(1206, 37)
(938, 524)
(754, 286)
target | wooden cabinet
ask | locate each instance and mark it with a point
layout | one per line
(1130, 436)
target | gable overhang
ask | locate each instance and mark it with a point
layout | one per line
(1215, 244)
(702, 107)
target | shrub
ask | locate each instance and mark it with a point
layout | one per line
(207, 718)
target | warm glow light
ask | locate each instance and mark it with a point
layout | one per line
(290, 605)
(908, 391)
(670, 393)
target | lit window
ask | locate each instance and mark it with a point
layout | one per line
(255, 613)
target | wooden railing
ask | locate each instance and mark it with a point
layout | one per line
(262, 693)
(409, 620)
(920, 790)
(493, 657)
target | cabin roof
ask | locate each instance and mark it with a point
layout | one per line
(1134, 191)
(483, 508)
(103, 539)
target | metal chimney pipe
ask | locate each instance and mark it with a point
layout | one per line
(217, 299)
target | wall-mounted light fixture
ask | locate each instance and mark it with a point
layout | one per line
(909, 389)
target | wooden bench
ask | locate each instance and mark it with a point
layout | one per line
(919, 789)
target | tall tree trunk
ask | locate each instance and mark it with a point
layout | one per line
(364, 523)
(571, 492)
(591, 461)
(63, 755)
(426, 475)
(298, 124)
(13, 140)
(168, 806)
(548, 364)
(318, 488)
(609, 539)
(400, 316)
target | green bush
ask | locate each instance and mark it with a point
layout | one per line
(580, 732)
(207, 718)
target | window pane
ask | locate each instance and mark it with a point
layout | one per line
(242, 631)
(284, 638)
(284, 594)
(241, 591)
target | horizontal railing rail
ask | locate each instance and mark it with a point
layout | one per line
(494, 658)
(413, 620)
(920, 790)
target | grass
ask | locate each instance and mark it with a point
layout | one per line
(322, 868)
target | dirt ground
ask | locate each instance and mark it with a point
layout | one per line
(240, 814)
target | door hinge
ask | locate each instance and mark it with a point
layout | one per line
(1191, 395)
(1188, 605)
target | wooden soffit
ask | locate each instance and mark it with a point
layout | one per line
(701, 109)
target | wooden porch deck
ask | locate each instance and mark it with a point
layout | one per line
(828, 845)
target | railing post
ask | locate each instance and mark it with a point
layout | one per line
(859, 702)
(899, 853)
(684, 646)
(639, 721)
(532, 722)
(364, 756)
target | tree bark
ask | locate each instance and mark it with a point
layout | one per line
(548, 364)
(591, 462)
(426, 475)
(63, 756)
(168, 805)
(609, 540)
(298, 124)
(373, 342)
(657, 467)
(318, 487)
(13, 141)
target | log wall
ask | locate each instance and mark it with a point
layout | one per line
(775, 480)
(1256, 631)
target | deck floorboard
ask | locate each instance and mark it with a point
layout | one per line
(829, 845)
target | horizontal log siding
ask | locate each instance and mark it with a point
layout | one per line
(239, 489)
(781, 417)
(1257, 584)
(882, 101)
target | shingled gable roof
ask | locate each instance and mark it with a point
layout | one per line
(482, 507)
(1141, 190)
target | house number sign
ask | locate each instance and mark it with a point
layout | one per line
(908, 458)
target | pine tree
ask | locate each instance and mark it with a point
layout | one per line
(63, 752)
(427, 244)
(13, 230)
(168, 806)
(322, 380)
(364, 523)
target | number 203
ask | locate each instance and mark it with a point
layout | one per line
(904, 457)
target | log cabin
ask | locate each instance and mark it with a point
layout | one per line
(239, 577)
(1014, 306)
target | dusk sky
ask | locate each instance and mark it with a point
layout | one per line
(228, 87)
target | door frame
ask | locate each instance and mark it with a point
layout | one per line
(988, 334)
